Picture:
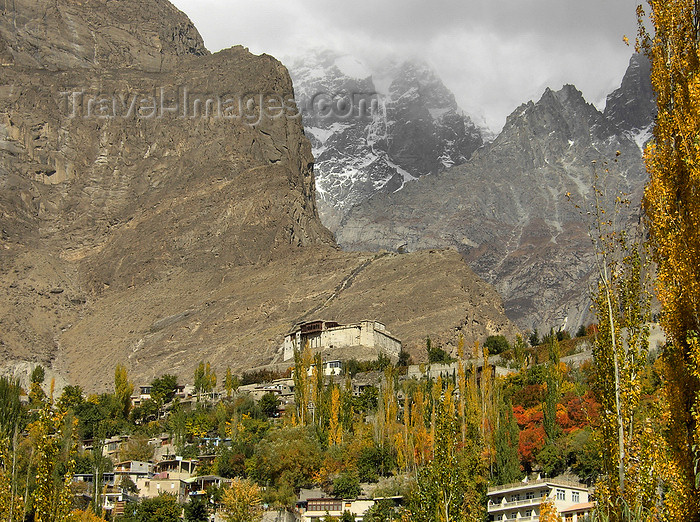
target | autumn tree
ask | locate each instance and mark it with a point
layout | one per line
(451, 487)
(242, 502)
(548, 511)
(672, 206)
(204, 379)
(302, 385)
(231, 383)
(10, 418)
(123, 389)
(55, 447)
(335, 429)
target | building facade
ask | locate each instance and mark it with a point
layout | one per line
(521, 500)
(330, 337)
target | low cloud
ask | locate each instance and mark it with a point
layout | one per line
(492, 55)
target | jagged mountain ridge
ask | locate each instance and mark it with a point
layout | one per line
(505, 209)
(417, 128)
(162, 241)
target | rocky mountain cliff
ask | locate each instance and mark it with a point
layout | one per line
(632, 107)
(505, 209)
(156, 213)
(371, 131)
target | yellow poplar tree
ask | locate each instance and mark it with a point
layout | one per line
(335, 430)
(123, 388)
(672, 206)
(53, 495)
(462, 386)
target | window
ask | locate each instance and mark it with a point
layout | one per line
(530, 495)
(575, 496)
(514, 498)
(513, 515)
(528, 512)
(561, 494)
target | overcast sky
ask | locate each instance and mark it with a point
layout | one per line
(493, 54)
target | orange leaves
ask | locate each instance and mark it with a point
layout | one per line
(532, 440)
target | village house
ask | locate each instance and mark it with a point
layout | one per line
(317, 509)
(521, 500)
(196, 487)
(166, 478)
(132, 469)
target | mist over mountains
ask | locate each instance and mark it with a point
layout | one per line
(501, 204)
(415, 128)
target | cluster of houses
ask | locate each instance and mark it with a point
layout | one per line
(168, 473)
(132, 480)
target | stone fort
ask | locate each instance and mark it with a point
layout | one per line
(363, 340)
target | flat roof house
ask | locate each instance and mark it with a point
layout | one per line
(521, 500)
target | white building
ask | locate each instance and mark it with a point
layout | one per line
(317, 509)
(521, 500)
(366, 338)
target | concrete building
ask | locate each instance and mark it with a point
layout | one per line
(317, 509)
(367, 339)
(521, 500)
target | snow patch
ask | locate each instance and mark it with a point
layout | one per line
(406, 175)
(437, 114)
(352, 67)
(640, 136)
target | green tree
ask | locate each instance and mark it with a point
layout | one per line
(269, 403)
(10, 407)
(10, 419)
(534, 338)
(347, 485)
(553, 389)
(382, 511)
(496, 344)
(519, 348)
(136, 448)
(404, 359)
(163, 389)
(36, 393)
(71, 397)
(507, 439)
(435, 353)
(347, 517)
(451, 487)
(163, 508)
(38, 374)
(196, 511)
(286, 457)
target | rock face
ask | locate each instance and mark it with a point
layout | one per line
(632, 107)
(506, 209)
(408, 127)
(156, 213)
(96, 33)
